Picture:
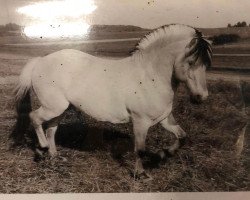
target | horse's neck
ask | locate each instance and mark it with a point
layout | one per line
(157, 64)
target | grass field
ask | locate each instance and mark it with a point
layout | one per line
(214, 158)
(211, 160)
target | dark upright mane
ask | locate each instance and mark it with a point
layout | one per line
(153, 34)
(203, 50)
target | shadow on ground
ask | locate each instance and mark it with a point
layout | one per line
(81, 137)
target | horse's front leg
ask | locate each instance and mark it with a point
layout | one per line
(140, 127)
(170, 124)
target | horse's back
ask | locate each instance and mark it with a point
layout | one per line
(70, 56)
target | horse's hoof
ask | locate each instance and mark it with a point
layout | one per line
(40, 154)
(143, 176)
(182, 141)
(168, 152)
(63, 159)
(53, 155)
(57, 157)
(41, 151)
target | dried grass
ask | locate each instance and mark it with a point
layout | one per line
(207, 162)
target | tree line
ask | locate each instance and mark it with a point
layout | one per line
(238, 24)
(10, 27)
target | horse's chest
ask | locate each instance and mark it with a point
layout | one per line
(152, 101)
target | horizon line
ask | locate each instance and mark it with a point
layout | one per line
(134, 26)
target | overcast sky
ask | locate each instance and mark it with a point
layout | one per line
(147, 13)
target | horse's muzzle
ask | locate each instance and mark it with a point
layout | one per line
(196, 99)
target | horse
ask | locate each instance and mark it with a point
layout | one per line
(137, 88)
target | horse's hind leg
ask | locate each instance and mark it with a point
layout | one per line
(41, 115)
(170, 124)
(50, 134)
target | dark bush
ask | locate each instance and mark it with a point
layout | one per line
(224, 38)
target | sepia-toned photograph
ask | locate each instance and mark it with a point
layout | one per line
(123, 96)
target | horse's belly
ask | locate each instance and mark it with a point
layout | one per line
(101, 106)
(105, 112)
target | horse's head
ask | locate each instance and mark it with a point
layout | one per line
(190, 67)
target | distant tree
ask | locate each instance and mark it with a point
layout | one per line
(224, 38)
(229, 25)
(238, 24)
(243, 24)
(12, 27)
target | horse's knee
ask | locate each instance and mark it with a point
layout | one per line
(140, 133)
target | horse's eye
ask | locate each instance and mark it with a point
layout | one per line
(190, 63)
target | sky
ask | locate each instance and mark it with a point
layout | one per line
(143, 13)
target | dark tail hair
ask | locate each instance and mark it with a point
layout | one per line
(23, 102)
(23, 108)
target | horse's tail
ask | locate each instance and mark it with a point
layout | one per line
(23, 103)
(24, 83)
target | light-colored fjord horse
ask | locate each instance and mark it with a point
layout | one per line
(136, 88)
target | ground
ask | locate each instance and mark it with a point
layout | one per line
(215, 156)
